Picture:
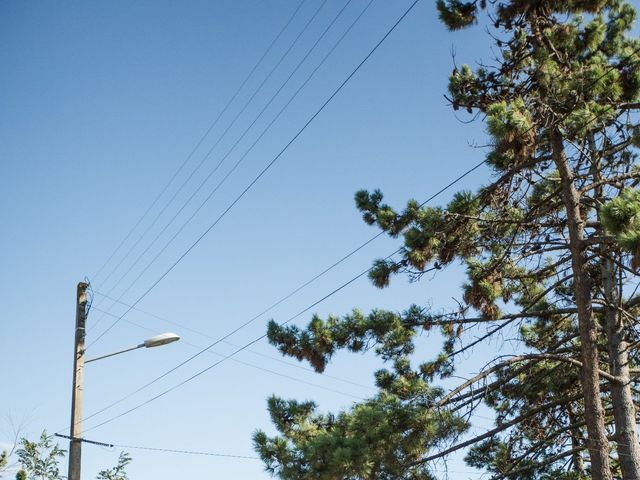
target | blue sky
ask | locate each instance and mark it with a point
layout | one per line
(103, 101)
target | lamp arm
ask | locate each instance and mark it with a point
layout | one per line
(115, 353)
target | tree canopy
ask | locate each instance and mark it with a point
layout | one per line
(551, 247)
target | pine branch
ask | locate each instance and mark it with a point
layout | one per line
(497, 430)
(547, 461)
(516, 359)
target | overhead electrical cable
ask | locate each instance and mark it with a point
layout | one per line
(220, 138)
(300, 313)
(226, 357)
(308, 282)
(210, 337)
(131, 307)
(201, 140)
(185, 452)
(165, 450)
(229, 152)
(257, 178)
(260, 174)
(252, 319)
(246, 346)
(332, 266)
(252, 365)
(211, 173)
(196, 452)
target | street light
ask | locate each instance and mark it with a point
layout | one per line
(75, 444)
(158, 340)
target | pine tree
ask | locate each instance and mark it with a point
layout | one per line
(551, 245)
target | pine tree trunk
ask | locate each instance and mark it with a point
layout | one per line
(590, 378)
(624, 411)
(576, 442)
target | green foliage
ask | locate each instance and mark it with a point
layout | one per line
(563, 70)
(388, 330)
(464, 203)
(511, 125)
(40, 460)
(463, 87)
(620, 217)
(381, 438)
(545, 189)
(496, 453)
(373, 211)
(581, 121)
(119, 471)
(456, 14)
(508, 119)
(593, 34)
(381, 272)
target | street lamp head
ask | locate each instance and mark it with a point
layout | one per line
(161, 339)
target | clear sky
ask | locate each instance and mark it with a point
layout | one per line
(103, 101)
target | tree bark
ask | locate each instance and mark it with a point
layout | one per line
(576, 442)
(624, 411)
(597, 443)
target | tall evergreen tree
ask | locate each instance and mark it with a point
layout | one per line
(551, 245)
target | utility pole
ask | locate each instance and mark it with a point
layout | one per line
(77, 394)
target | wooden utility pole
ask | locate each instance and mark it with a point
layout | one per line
(77, 394)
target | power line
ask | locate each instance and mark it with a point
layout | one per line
(269, 165)
(260, 337)
(202, 138)
(237, 199)
(232, 354)
(211, 173)
(215, 454)
(195, 452)
(254, 366)
(206, 156)
(305, 284)
(131, 307)
(210, 337)
(166, 450)
(332, 266)
(185, 452)
(207, 454)
(233, 147)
